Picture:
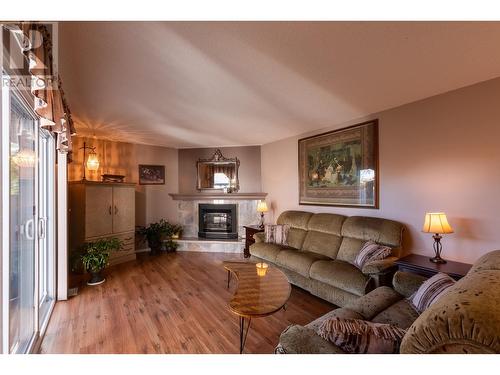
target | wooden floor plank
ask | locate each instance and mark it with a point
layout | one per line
(173, 303)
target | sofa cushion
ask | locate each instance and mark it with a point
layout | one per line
(322, 243)
(266, 251)
(401, 314)
(361, 336)
(296, 219)
(349, 249)
(382, 231)
(369, 252)
(340, 274)
(326, 223)
(277, 234)
(431, 290)
(298, 261)
(296, 238)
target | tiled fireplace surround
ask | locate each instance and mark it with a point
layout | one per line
(188, 217)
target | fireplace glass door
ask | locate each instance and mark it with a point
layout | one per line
(217, 222)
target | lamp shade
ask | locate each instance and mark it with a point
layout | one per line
(92, 162)
(436, 222)
(25, 158)
(262, 206)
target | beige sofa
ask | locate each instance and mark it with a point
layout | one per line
(322, 248)
(464, 320)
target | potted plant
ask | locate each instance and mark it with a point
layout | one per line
(157, 233)
(96, 255)
(176, 231)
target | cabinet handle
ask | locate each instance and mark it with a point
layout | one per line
(116, 210)
(109, 210)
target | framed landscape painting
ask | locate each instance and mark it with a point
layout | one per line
(151, 174)
(340, 168)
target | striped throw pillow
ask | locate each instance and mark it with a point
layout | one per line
(277, 234)
(371, 251)
(430, 291)
(360, 336)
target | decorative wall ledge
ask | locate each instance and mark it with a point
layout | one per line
(224, 196)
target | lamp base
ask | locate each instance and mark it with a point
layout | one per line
(261, 226)
(438, 247)
(437, 260)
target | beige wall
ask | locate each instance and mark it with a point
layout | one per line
(152, 202)
(249, 171)
(438, 154)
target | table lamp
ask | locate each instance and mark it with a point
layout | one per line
(262, 207)
(437, 223)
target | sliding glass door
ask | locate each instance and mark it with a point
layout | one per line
(23, 242)
(46, 226)
(28, 224)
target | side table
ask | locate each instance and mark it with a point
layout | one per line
(421, 265)
(250, 230)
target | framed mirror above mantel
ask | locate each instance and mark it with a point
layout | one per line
(218, 173)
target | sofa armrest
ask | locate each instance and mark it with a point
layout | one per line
(373, 303)
(259, 237)
(377, 267)
(407, 283)
(301, 340)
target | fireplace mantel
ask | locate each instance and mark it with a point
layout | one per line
(222, 196)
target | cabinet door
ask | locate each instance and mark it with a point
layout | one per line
(123, 209)
(98, 211)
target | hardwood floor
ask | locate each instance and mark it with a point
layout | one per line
(173, 303)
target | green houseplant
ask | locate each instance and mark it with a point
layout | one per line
(156, 233)
(96, 255)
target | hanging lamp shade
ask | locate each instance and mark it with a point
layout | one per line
(92, 162)
(25, 158)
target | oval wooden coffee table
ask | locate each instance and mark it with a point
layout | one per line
(256, 296)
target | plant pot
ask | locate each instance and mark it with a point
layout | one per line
(96, 278)
(155, 247)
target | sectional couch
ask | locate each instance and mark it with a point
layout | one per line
(464, 320)
(321, 249)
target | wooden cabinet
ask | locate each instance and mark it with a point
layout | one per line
(123, 209)
(102, 210)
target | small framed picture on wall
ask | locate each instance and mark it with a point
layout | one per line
(151, 174)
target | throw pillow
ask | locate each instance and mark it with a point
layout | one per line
(371, 251)
(430, 291)
(360, 336)
(277, 234)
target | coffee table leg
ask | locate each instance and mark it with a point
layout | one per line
(228, 278)
(243, 332)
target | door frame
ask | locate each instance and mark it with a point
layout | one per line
(39, 330)
(49, 231)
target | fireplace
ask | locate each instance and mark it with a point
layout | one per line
(217, 221)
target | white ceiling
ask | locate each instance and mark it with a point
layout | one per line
(191, 84)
